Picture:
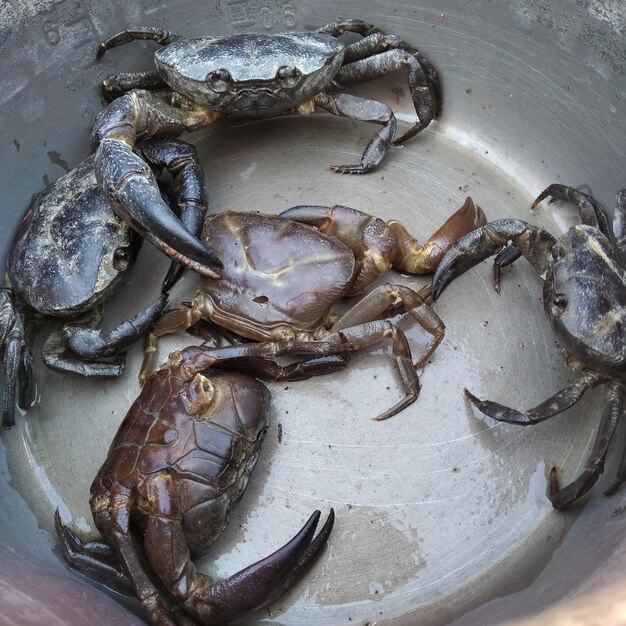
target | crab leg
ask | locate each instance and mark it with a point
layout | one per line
(563, 497)
(16, 359)
(117, 85)
(162, 37)
(300, 370)
(395, 298)
(89, 342)
(250, 589)
(338, 342)
(93, 559)
(379, 54)
(362, 109)
(128, 181)
(591, 213)
(533, 242)
(112, 518)
(590, 210)
(559, 402)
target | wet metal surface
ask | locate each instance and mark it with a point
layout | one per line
(441, 512)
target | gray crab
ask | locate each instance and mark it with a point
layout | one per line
(69, 254)
(584, 296)
(197, 81)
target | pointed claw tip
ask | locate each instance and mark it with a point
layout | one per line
(613, 488)
(471, 397)
(382, 417)
(328, 524)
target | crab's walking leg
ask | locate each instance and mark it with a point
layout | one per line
(563, 497)
(117, 85)
(559, 402)
(93, 559)
(347, 105)
(590, 210)
(112, 517)
(300, 370)
(397, 299)
(162, 37)
(533, 242)
(88, 342)
(379, 54)
(338, 342)
(128, 181)
(16, 358)
(591, 213)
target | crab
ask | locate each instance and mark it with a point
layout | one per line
(584, 296)
(197, 81)
(283, 274)
(69, 254)
(179, 462)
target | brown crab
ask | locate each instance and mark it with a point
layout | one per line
(281, 277)
(179, 462)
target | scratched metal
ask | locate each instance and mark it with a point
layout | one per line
(441, 512)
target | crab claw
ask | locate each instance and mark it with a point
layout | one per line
(130, 184)
(128, 181)
(260, 584)
(423, 259)
(533, 242)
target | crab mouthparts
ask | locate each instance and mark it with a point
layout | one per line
(255, 100)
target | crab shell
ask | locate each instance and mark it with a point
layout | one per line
(52, 265)
(290, 282)
(193, 67)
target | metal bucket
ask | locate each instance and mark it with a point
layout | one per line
(442, 513)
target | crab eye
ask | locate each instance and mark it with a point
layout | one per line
(121, 259)
(559, 302)
(288, 75)
(557, 252)
(220, 80)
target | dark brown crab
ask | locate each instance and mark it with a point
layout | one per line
(584, 296)
(200, 80)
(281, 278)
(180, 461)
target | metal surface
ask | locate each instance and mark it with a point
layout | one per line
(441, 513)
